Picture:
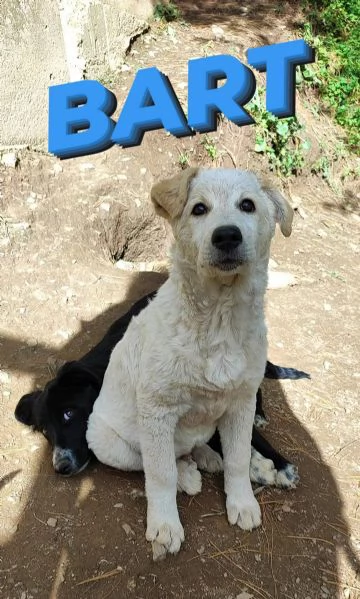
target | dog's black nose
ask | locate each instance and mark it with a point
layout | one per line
(226, 238)
(64, 467)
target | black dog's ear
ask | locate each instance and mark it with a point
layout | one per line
(77, 374)
(24, 411)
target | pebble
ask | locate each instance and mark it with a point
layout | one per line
(86, 166)
(9, 159)
(4, 377)
(128, 530)
(51, 522)
(119, 505)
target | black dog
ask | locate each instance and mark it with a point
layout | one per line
(62, 409)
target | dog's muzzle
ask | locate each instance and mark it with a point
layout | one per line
(65, 463)
(226, 240)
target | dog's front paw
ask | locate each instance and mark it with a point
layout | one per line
(288, 477)
(260, 421)
(165, 537)
(243, 512)
(207, 459)
(189, 477)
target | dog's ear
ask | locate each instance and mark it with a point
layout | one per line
(283, 211)
(75, 374)
(24, 411)
(169, 197)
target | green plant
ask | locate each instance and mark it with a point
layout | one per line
(321, 166)
(210, 148)
(184, 160)
(166, 11)
(332, 28)
(278, 139)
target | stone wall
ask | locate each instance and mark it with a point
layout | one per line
(46, 42)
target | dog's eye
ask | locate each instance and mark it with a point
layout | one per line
(199, 209)
(68, 414)
(247, 205)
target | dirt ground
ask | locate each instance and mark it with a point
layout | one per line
(62, 225)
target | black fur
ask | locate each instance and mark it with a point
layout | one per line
(61, 410)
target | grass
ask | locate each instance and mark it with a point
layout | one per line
(278, 139)
(332, 27)
(210, 148)
(166, 11)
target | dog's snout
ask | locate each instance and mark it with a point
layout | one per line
(65, 467)
(226, 238)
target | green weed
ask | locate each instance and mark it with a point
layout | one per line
(166, 11)
(332, 27)
(210, 147)
(278, 139)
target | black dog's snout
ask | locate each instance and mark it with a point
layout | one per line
(226, 238)
(64, 467)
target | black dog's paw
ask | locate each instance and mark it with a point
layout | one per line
(260, 421)
(288, 477)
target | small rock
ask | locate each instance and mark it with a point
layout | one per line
(286, 508)
(4, 377)
(105, 206)
(143, 171)
(217, 31)
(119, 505)
(131, 584)
(86, 166)
(257, 557)
(128, 530)
(326, 365)
(201, 550)
(57, 168)
(125, 67)
(51, 522)
(9, 159)
(327, 307)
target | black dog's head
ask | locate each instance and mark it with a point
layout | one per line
(61, 412)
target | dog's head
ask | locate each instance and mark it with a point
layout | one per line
(223, 219)
(61, 411)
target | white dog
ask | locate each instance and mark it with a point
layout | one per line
(195, 357)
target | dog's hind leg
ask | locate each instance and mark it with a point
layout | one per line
(110, 448)
(207, 459)
(189, 477)
(286, 474)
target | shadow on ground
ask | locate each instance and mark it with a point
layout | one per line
(94, 546)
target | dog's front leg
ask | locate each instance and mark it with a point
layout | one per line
(235, 429)
(164, 528)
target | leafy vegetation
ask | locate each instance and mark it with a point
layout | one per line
(333, 28)
(210, 147)
(278, 139)
(166, 11)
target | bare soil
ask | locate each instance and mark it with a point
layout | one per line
(62, 225)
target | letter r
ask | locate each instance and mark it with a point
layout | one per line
(206, 99)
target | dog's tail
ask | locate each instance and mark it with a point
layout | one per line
(272, 371)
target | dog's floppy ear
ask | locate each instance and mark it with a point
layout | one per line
(75, 374)
(283, 211)
(169, 197)
(24, 411)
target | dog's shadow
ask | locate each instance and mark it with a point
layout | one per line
(90, 529)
